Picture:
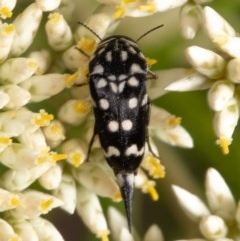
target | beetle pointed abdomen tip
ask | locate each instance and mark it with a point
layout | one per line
(126, 185)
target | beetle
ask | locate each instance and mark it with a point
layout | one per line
(118, 72)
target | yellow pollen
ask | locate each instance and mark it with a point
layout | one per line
(149, 188)
(158, 170)
(55, 17)
(57, 157)
(151, 62)
(103, 235)
(87, 45)
(31, 64)
(70, 79)
(14, 201)
(5, 141)
(45, 205)
(130, 1)
(82, 106)
(224, 143)
(76, 159)
(43, 118)
(15, 238)
(119, 12)
(8, 29)
(117, 197)
(150, 7)
(5, 12)
(174, 121)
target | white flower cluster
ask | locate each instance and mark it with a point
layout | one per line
(218, 72)
(221, 221)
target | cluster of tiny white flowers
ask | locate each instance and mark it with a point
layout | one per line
(218, 72)
(221, 220)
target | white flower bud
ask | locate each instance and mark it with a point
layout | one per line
(189, 19)
(46, 5)
(95, 178)
(26, 24)
(7, 32)
(45, 86)
(163, 6)
(4, 99)
(76, 151)
(17, 96)
(16, 70)
(220, 198)
(190, 82)
(213, 227)
(6, 7)
(45, 230)
(58, 32)
(220, 94)
(25, 231)
(43, 60)
(7, 232)
(8, 200)
(90, 210)
(233, 70)
(54, 133)
(74, 112)
(226, 120)
(51, 178)
(67, 192)
(206, 62)
(34, 204)
(191, 204)
(153, 233)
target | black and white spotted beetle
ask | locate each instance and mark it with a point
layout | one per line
(117, 78)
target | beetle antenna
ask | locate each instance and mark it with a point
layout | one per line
(149, 31)
(85, 26)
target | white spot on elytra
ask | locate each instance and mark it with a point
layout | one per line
(112, 77)
(101, 83)
(135, 68)
(109, 56)
(126, 125)
(104, 104)
(132, 81)
(113, 126)
(133, 150)
(124, 55)
(132, 50)
(144, 100)
(132, 103)
(98, 69)
(122, 77)
(114, 87)
(112, 151)
(121, 87)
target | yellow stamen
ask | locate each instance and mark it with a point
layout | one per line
(14, 201)
(119, 12)
(15, 238)
(158, 170)
(87, 45)
(45, 205)
(224, 143)
(76, 159)
(149, 188)
(151, 62)
(31, 64)
(42, 118)
(117, 197)
(57, 157)
(174, 121)
(103, 235)
(8, 29)
(130, 1)
(83, 106)
(55, 17)
(69, 80)
(5, 141)
(5, 12)
(150, 7)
